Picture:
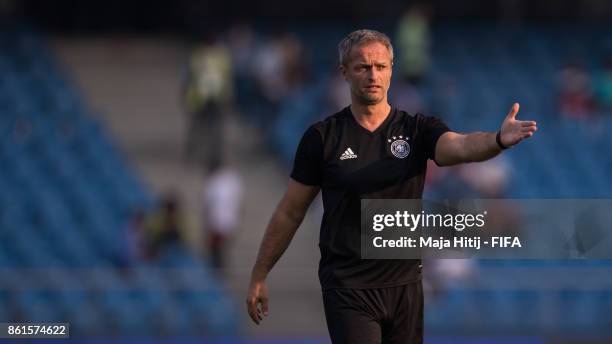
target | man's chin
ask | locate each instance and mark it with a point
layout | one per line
(370, 100)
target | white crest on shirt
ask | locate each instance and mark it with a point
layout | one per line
(399, 146)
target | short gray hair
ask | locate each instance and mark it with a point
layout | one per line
(359, 37)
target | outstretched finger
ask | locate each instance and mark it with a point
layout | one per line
(525, 129)
(264, 306)
(513, 111)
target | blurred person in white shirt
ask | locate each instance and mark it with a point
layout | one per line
(223, 191)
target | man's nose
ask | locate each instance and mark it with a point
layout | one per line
(372, 74)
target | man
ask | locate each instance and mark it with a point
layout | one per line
(367, 150)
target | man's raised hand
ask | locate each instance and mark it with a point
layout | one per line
(514, 131)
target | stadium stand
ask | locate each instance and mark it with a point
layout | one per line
(66, 194)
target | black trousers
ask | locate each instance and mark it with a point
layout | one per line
(391, 315)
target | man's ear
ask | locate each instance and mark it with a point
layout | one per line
(343, 71)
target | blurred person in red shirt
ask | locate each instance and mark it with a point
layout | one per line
(575, 98)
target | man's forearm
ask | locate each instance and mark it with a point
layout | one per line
(480, 146)
(278, 235)
(454, 148)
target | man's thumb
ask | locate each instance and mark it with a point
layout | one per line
(513, 111)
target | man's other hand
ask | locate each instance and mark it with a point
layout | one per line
(257, 300)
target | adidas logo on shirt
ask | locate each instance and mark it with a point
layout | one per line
(348, 154)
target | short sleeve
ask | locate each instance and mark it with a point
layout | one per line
(432, 128)
(308, 160)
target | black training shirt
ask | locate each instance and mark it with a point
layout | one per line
(349, 163)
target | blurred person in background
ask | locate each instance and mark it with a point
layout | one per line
(279, 69)
(489, 180)
(135, 245)
(447, 183)
(268, 71)
(223, 191)
(295, 68)
(575, 98)
(241, 41)
(413, 40)
(406, 95)
(444, 95)
(338, 94)
(369, 149)
(603, 87)
(208, 97)
(165, 227)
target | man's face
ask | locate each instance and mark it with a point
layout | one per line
(368, 72)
